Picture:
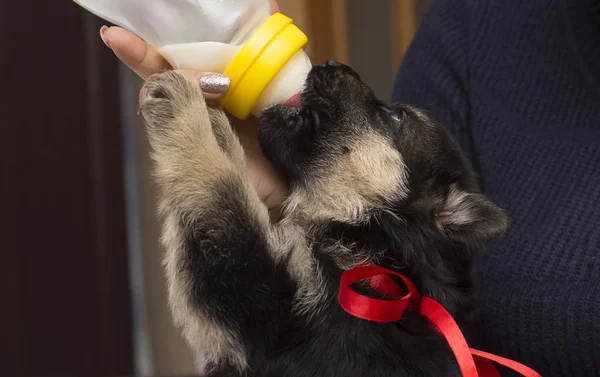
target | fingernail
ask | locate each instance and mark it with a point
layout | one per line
(102, 30)
(214, 83)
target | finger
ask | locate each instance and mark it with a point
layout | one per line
(138, 55)
(212, 85)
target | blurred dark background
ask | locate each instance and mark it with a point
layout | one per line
(64, 279)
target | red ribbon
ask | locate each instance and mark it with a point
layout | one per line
(472, 362)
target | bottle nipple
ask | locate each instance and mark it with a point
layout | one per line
(259, 61)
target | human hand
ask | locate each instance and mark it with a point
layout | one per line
(145, 61)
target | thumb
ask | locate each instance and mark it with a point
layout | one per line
(213, 85)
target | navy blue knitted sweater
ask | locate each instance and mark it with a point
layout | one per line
(517, 82)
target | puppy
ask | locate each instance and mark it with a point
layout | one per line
(368, 182)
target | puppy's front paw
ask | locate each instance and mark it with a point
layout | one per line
(168, 97)
(178, 117)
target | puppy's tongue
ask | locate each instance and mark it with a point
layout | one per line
(294, 101)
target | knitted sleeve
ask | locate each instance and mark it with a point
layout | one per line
(434, 74)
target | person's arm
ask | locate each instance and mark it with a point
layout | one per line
(434, 75)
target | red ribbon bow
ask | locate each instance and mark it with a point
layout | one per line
(472, 363)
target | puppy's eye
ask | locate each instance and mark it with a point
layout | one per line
(394, 115)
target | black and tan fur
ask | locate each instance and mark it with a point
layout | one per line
(368, 182)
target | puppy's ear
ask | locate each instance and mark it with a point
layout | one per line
(470, 218)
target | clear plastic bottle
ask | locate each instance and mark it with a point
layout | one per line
(262, 53)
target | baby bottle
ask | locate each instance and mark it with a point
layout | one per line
(263, 54)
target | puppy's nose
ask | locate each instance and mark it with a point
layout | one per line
(332, 63)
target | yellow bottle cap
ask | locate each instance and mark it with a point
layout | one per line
(258, 62)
